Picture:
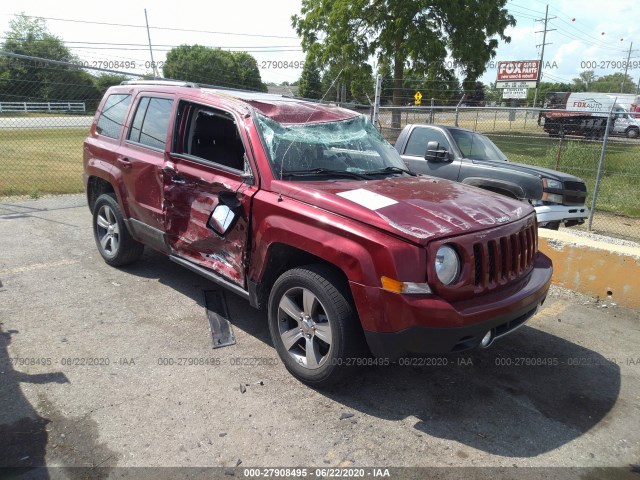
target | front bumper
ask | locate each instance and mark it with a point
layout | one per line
(561, 213)
(398, 325)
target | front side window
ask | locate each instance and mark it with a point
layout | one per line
(212, 136)
(420, 137)
(151, 122)
(476, 147)
(351, 146)
(112, 116)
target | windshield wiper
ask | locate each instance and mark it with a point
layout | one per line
(390, 170)
(323, 172)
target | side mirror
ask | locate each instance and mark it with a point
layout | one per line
(435, 154)
(225, 215)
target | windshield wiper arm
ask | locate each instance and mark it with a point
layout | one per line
(390, 170)
(323, 172)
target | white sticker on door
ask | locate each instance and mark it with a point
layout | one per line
(370, 200)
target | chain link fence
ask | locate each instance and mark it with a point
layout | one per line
(42, 145)
(521, 136)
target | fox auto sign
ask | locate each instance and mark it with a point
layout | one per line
(518, 71)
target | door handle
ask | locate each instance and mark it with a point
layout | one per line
(125, 163)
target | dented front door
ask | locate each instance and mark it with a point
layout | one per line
(191, 192)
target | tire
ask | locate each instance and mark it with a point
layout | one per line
(114, 242)
(552, 226)
(632, 133)
(314, 326)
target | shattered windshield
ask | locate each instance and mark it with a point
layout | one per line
(350, 148)
(476, 147)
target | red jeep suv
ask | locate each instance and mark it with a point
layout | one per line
(304, 209)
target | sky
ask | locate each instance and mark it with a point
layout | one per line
(586, 34)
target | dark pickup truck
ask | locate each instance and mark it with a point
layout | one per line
(471, 158)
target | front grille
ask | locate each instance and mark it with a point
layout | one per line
(500, 260)
(577, 186)
(575, 193)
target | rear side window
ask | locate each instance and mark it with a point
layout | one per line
(420, 137)
(112, 116)
(151, 121)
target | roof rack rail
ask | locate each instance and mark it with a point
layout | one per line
(183, 83)
(161, 81)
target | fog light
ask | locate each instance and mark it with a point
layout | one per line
(486, 340)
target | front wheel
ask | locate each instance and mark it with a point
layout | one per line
(114, 242)
(632, 133)
(314, 326)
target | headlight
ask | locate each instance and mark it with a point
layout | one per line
(447, 265)
(549, 183)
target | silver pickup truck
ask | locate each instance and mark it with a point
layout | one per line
(471, 158)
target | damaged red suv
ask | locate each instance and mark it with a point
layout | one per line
(305, 210)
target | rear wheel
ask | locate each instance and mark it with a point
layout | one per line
(632, 133)
(314, 326)
(114, 242)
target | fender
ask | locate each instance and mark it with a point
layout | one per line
(362, 253)
(491, 183)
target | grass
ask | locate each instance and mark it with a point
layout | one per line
(524, 141)
(36, 162)
(620, 181)
(41, 161)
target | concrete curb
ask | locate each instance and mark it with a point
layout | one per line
(593, 267)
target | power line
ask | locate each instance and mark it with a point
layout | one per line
(173, 29)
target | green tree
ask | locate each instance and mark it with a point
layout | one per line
(612, 83)
(405, 33)
(35, 80)
(310, 85)
(106, 80)
(546, 87)
(584, 81)
(200, 64)
(248, 71)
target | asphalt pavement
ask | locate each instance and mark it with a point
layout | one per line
(104, 367)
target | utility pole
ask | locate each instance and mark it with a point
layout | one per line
(544, 40)
(153, 64)
(626, 67)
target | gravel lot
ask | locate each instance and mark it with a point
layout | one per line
(111, 368)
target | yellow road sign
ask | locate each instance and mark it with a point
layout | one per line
(418, 97)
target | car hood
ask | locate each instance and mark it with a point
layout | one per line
(532, 170)
(416, 208)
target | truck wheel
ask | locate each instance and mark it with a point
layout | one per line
(313, 325)
(632, 133)
(115, 244)
(552, 225)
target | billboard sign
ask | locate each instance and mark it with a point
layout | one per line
(518, 71)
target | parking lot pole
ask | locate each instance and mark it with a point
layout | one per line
(433, 102)
(599, 175)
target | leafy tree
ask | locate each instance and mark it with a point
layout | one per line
(546, 87)
(106, 80)
(612, 83)
(405, 33)
(34, 80)
(248, 72)
(200, 64)
(584, 81)
(310, 80)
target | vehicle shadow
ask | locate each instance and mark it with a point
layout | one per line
(23, 433)
(504, 401)
(157, 266)
(530, 393)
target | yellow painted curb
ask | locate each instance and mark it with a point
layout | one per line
(593, 267)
